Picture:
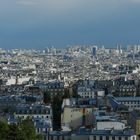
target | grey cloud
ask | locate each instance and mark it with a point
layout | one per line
(28, 2)
(68, 21)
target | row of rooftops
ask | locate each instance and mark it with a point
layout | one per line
(33, 106)
(127, 99)
(93, 132)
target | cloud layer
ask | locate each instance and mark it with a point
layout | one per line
(37, 23)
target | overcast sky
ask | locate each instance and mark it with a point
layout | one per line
(42, 23)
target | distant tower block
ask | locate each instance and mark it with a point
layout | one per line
(16, 81)
(119, 49)
(94, 50)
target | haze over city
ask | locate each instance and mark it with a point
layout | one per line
(42, 23)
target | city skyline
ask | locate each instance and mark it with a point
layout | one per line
(42, 23)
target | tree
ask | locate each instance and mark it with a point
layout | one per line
(28, 128)
(47, 97)
(66, 94)
(56, 107)
(15, 133)
(39, 137)
(23, 131)
(3, 130)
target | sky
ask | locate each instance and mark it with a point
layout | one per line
(60, 23)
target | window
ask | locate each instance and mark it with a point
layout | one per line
(120, 138)
(51, 137)
(113, 138)
(107, 137)
(126, 138)
(94, 137)
(57, 137)
(101, 138)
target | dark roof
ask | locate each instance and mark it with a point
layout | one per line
(95, 133)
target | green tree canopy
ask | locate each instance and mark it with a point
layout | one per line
(23, 131)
